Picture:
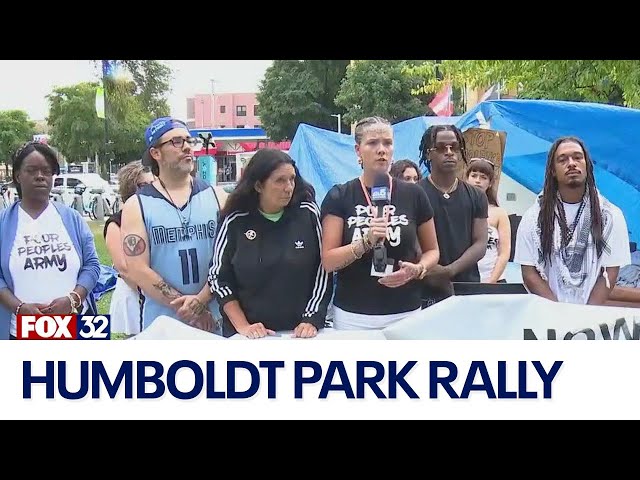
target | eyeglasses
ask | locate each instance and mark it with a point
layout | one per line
(46, 171)
(442, 147)
(476, 160)
(178, 142)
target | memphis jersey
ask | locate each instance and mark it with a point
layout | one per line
(181, 256)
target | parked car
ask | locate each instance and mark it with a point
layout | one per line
(8, 194)
(67, 182)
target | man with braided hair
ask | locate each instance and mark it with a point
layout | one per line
(460, 212)
(572, 241)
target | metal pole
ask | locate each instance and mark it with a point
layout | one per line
(339, 117)
(106, 117)
(213, 103)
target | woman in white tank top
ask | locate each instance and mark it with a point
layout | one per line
(481, 174)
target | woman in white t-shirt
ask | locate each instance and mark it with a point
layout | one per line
(481, 174)
(48, 260)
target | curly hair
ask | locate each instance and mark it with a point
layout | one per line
(128, 178)
(399, 166)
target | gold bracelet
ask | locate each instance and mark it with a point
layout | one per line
(366, 243)
(77, 295)
(71, 302)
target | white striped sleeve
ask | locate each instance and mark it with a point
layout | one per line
(316, 308)
(220, 277)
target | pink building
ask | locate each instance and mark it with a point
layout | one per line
(231, 110)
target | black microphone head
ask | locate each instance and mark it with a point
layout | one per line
(381, 180)
(380, 192)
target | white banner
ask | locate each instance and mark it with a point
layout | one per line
(516, 317)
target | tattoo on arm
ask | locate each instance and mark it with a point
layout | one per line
(133, 245)
(167, 290)
(197, 307)
(354, 246)
(346, 263)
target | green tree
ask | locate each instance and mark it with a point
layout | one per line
(15, 129)
(127, 117)
(299, 91)
(132, 100)
(151, 79)
(379, 87)
(76, 131)
(615, 82)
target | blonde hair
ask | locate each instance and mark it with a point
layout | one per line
(365, 123)
(128, 178)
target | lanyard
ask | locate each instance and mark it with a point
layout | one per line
(368, 198)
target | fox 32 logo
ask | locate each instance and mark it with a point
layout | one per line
(63, 327)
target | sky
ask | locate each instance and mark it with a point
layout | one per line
(24, 84)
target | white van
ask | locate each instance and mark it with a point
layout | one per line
(67, 182)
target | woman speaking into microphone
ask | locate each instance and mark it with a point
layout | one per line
(369, 295)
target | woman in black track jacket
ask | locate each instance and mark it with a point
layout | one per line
(267, 272)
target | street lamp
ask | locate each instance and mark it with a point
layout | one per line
(339, 117)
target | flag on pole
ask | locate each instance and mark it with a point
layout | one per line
(442, 104)
(100, 101)
(108, 68)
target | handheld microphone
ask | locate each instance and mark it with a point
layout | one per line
(380, 197)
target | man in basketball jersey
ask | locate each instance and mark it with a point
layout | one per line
(168, 231)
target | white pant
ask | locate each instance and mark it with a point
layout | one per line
(359, 321)
(125, 309)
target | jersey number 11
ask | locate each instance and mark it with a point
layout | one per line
(195, 275)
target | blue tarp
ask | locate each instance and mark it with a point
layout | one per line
(610, 133)
(106, 281)
(326, 158)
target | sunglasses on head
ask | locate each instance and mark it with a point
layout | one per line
(477, 160)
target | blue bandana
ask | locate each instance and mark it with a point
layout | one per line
(159, 127)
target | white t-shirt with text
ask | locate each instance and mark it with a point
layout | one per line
(43, 263)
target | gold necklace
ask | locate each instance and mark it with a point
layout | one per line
(445, 192)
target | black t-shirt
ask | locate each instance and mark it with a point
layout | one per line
(115, 218)
(454, 218)
(357, 291)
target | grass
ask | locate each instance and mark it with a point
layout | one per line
(105, 259)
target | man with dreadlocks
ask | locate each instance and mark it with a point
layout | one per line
(460, 213)
(572, 241)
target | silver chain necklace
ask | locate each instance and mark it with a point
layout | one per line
(184, 221)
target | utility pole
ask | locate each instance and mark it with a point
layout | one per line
(339, 117)
(106, 73)
(213, 103)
